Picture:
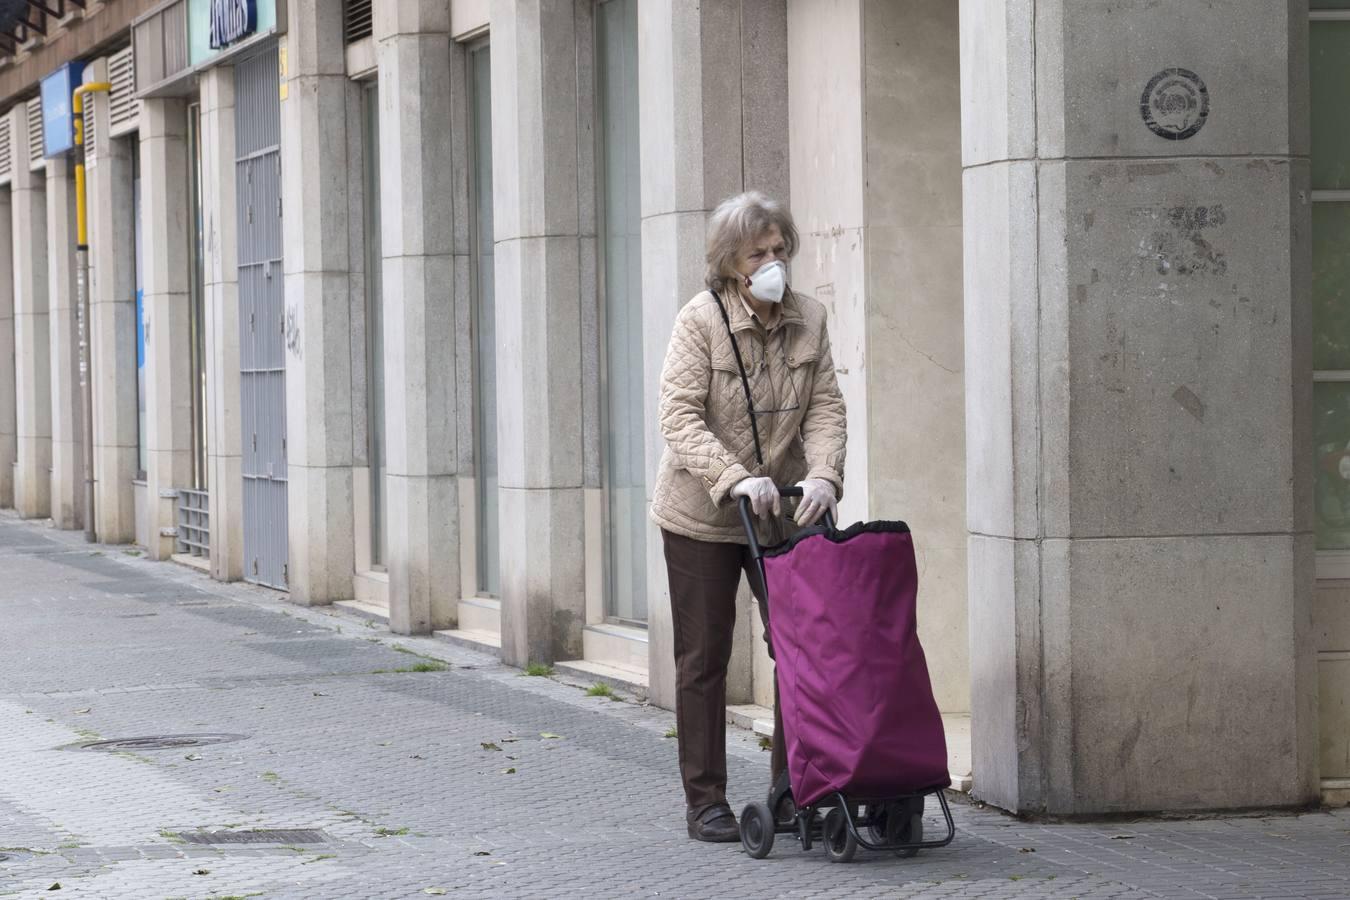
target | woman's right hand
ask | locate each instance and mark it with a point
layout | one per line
(762, 494)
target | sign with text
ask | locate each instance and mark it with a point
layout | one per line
(58, 122)
(232, 20)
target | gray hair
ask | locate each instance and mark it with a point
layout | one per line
(736, 222)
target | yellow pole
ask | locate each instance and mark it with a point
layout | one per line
(82, 285)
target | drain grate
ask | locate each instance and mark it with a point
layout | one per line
(158, 742)
(258, 836)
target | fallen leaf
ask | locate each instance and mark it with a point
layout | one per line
(320, 694)
(385, 743)
(510, 771)
(1026, 849)
(416, 756)
(510, 740)
(55, 887)
(550, 736)
(434, 891)
(201, 871)
(489, 745)
(1122, 837)
(482, 853)
(78, 712)
(193, 757)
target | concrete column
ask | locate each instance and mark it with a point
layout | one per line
(544, 219)
(168, 388)
(112, 265)
(314, 128)
(224, 436)
(1138, 362)
(417, 216)
(66, 393)
(876, 189)
(32, 348)
(701, 143)
(8, 426)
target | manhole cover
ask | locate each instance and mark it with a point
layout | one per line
(159, 742)
(259, 836)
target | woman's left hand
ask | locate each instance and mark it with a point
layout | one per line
(817, 497)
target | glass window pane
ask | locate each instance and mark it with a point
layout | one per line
(1331, 429)
(1329, 52)
(1329, 4)
(1331, 286)
(625, 482)
(142, 454)
(374, 326)
(485, 313)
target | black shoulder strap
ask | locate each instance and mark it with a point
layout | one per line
(745, 382)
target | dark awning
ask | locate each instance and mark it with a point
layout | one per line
(21, 19)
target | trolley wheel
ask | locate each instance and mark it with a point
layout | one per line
(757, 830)
(840, 845)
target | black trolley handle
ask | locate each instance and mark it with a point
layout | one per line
(748, 520)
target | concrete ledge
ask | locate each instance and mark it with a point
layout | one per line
(192, 562)
(365, 610)
(1336, 791)
(625, 679)
(482, 641)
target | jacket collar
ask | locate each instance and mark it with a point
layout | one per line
(791, 311)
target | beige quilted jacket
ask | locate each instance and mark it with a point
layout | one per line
(709, 443)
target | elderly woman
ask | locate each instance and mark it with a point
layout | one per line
(749, 402)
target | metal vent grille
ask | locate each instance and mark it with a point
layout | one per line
(35, 154)
(161, 46)
(357, 20)
(124, 108)
(6, 156)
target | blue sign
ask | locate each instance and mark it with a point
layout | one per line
(232, 20)
(58, 123)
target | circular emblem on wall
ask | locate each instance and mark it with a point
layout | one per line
(1175, 104)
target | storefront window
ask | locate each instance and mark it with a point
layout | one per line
(485, 330)
(374, 327)
(142, 456)
(1330, 71)
(624, 465)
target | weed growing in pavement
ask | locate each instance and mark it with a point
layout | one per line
(766, 743)
(600, 689)
(539, 670)
(269, 776)
(320, 858)
(391, 832)
(671, 732)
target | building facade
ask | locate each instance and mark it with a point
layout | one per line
(380, 293)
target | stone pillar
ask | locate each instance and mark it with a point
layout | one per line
(417, 214)
(112, 265)
(544, 219)
(224, 431)
(168, 388)
(67, 404)
(32, 348)
(1138, 413)
(8, 361)
(876, 190)
(701, 143)
(314, 128)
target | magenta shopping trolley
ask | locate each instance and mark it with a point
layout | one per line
(865, 744)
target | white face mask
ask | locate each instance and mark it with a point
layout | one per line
(769, 281)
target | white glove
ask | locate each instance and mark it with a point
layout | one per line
(762, 494)
(817, 498)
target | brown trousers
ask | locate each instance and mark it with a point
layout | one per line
(703, 579)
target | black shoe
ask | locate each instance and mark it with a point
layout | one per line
(715, 824)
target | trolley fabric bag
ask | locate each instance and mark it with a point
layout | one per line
(858, 708)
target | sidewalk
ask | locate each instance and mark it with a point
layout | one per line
(418, 767)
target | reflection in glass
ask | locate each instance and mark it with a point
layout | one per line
(1331, 285)
(379, 529)
(1331, 429)
(625, 483)
(485, 314)
(1329, 61)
